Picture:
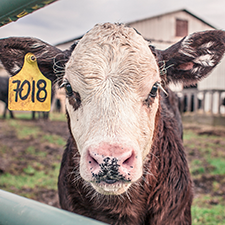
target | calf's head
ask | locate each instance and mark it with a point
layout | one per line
(112, 77)
(113, 70)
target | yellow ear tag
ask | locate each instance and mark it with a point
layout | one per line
(29, 89)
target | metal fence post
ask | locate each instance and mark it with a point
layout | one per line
(17, 210)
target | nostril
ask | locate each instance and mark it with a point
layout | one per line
(128, 162)
(93, 161)
(93, 164)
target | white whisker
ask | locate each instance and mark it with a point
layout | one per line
(121, 198)
(127, 194)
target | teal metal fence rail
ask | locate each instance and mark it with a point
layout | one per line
(12, 10)
(17, 210)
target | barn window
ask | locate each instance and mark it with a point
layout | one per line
(181, 28)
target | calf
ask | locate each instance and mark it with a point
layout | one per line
(124, 162)
(4, 83)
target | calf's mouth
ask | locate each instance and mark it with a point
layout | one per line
(109, 180)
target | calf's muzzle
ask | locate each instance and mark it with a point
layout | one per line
(111, 163)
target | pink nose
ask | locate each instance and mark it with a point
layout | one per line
(111, 163)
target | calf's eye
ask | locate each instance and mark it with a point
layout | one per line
(69, 90)
(154, 90)
(74, 97)
(152, 94)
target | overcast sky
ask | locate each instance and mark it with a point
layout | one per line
(67, 19)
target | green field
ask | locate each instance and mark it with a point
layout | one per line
(30, 156)
(206, 153)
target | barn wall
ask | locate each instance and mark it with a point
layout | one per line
(161, 29)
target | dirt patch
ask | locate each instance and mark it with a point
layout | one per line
(54, 127)
(219, 133)
(205, 147)
(17, 156)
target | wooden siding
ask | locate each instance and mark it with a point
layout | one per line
(162, 29)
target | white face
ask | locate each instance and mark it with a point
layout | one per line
(113, 70)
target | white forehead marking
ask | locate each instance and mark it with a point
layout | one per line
(111, 54)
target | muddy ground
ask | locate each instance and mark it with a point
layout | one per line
(15, 159)
(15, 148)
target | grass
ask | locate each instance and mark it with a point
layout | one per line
(206, 156)
(208, 210)
(214, 215)
(23, 115)
(30, 168)
(23, 132)
(188, 135)
(32, 151)
(27, 115)
(218, 164)
(30, 179)
(58, 117)
(197, 167)
(54, 139)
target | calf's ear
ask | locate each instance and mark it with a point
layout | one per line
(194, 57)
(50, 59)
